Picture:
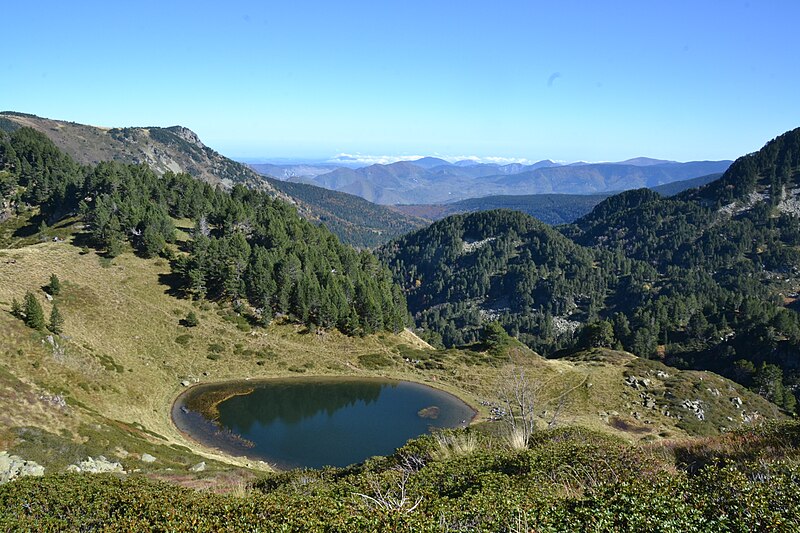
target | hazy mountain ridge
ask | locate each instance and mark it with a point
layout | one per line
(407, 182)
(553, 209)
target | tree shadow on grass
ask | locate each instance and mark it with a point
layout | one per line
(173, 283)
(30, 229)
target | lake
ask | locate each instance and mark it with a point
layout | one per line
(314, 422)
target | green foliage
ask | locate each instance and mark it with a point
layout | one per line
(16, 308)
(32, 309)
(56, 323)
(249, 247)
(351, 218)
(568, 480)
(494, 337)
(54, 286)
(191, 320)
(374, 361)
(512, 266)
(598, 334)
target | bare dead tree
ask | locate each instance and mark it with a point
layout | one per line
(522, 394)
(518, 395)
(394, 499)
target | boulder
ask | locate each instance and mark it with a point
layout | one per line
(97, 465)
(13, 466)
(199, 467)
(147, 458)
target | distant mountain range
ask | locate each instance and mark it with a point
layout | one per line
(432, 180)
(353, 219)
(553, 209)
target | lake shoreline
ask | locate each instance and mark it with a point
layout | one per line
(195, 415)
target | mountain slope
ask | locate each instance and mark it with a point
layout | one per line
(351, 218)
(553, 209)
(707, 279)
(178, 149)
(466, 270)
(677, 187)
(175, 149)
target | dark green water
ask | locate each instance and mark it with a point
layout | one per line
(315, 422)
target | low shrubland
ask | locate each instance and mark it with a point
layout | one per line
(565, 480)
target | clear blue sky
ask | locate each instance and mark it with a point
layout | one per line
(563, 80)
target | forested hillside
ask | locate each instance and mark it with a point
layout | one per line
(247, 247)
(351, 218)
(706, 279)
(553, 209)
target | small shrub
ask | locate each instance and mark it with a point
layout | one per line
(374, 361)
(515, 439)
(454, 445)
(183, 340)
(191, 320)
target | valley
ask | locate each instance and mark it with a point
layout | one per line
(166, 282)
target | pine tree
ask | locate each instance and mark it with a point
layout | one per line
(16, 308)
(43, 229)
(494, 336)
(34, 316)
(54, 287)
(56, 324)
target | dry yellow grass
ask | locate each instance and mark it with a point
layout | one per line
(125, 355)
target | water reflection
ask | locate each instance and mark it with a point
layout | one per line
(317, 421)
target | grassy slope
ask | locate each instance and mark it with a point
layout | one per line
(125, 354)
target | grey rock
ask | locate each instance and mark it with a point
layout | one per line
(147, 458)
(99, 465)
(199, 467)
(13, 466)
(696, 407)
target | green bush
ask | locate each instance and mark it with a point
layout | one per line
(568, 480)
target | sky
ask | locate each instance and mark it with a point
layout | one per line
(511, 80)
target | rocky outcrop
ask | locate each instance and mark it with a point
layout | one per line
(97, 465)
(12, 467)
